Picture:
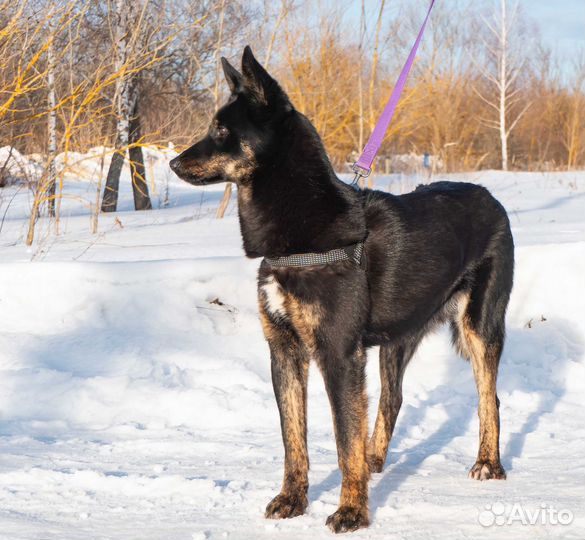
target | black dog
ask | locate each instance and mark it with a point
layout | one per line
(442, 253)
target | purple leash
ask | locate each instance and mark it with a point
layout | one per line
(363, 166)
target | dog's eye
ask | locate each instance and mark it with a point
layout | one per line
(221, 132)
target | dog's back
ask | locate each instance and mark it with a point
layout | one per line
(426, 246)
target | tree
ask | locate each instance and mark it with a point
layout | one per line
(51, 123)
(574, 125)
(128, 15)
(501, 74)
(137, 169)
(123, 106)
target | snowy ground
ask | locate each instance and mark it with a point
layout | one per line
(134, 405)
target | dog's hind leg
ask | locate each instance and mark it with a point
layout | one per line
(479, 330)
(393, 362)
(345, 384)
(289, 364)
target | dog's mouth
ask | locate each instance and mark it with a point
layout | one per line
(200, 180)
(192, 178)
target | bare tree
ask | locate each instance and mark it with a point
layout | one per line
(128, 16)
(286, 6)
(137, 169)
(227, 192)
(360, 76)
(51, 124)
(374, 70)
(122, 97)
(501, 73)
(573, 130)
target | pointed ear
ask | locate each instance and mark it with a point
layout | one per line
(232, 76)
(262, 86)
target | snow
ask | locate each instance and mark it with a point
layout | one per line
(135, 392)
(13, 165)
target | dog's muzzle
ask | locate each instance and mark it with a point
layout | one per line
(176, 166)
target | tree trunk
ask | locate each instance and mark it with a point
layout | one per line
(123, 107)
(375, 59)
(503, 89)
(360, 79)
(51, 129)
(110, 199)
(508, 67)
(139, 184)
(225, 200)
(361, 180)
(227, 192)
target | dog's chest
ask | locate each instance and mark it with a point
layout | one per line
(274, 298)
(280, 308)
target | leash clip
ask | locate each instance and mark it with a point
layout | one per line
(360, 172)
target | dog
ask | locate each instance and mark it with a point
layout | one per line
(347, 269)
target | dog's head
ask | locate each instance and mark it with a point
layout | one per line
(241, 132)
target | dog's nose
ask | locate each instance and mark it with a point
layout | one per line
(175, 165)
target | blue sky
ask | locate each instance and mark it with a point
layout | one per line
(561, 22)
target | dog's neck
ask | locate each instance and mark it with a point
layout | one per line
(294, 203)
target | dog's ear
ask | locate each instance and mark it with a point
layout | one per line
(232, 76)
(261, 85)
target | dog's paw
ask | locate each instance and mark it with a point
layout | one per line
(286, 506)
(347, 519)
(375, 464)
(485, 470)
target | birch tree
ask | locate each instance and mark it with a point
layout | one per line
(227, 192)
(127, 15)
(51, 125)
(501, 72)
(122, 102)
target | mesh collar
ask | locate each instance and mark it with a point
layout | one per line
(353, 253)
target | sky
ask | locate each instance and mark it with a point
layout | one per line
(561, 22)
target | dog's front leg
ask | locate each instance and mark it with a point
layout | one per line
(289, 377)
(345, 382)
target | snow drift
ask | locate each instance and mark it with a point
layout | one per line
(135, 393)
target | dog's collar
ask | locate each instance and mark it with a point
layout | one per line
(353, 252)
